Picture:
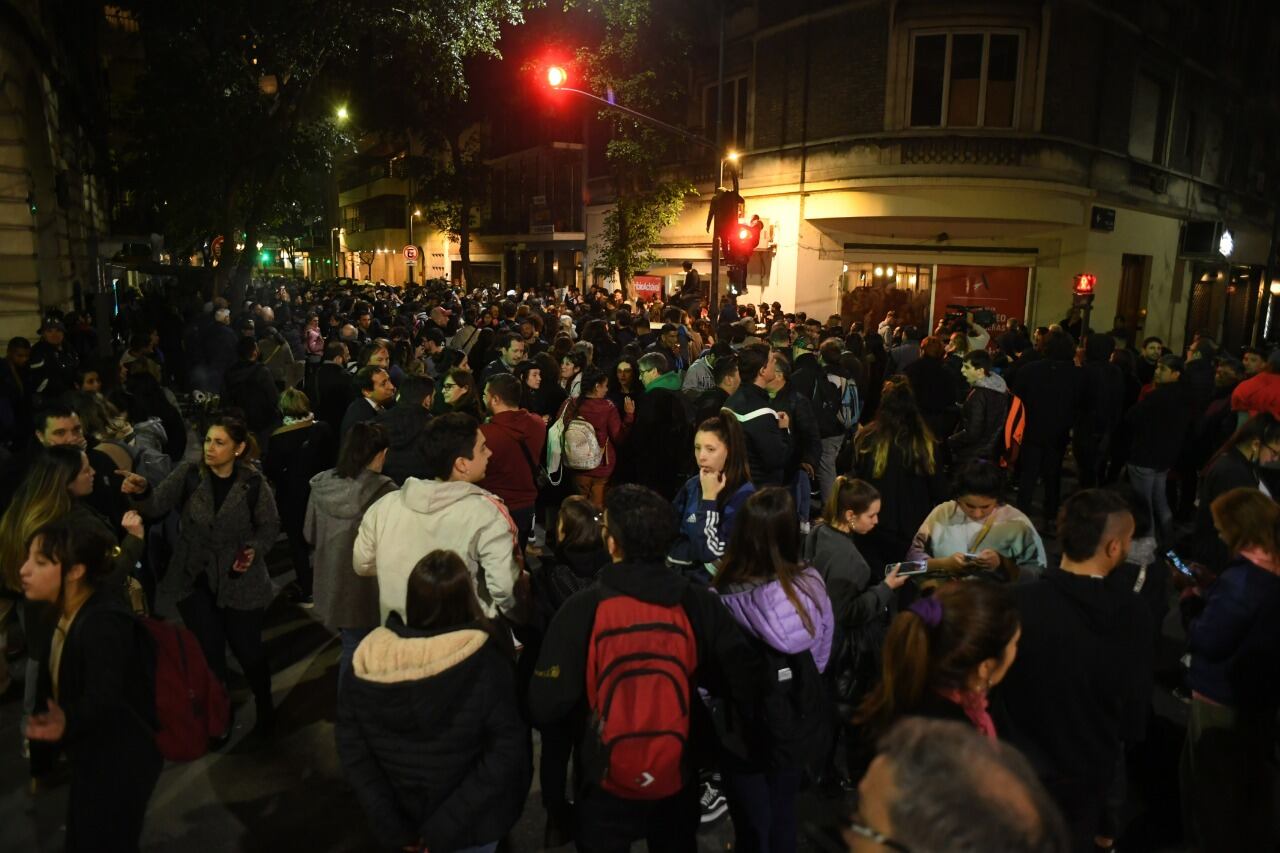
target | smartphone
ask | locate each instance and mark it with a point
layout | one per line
(1179, 563)
(910, 567)
(971, 558)
(242, 554)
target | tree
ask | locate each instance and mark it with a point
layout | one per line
(239, 97)
(641, 60)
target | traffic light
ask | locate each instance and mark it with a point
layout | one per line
(743, 239)
(1083, 289)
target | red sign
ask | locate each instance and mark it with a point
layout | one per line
(410, 254)
(1001, 290)
(647, 287)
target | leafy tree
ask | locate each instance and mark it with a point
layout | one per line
(641, 61)
(239, 98)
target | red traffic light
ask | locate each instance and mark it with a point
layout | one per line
(557, 76)
(1084, 284)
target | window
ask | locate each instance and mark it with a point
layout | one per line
(965, 79)
(733, 112)
(1149, 117)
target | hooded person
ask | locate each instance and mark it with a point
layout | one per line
(449, 512)
(980, 432)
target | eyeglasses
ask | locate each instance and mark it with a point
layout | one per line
(857, 827)
(446, 386)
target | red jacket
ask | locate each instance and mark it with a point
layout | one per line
(1259, 393)
(508, 475)
(611, 431)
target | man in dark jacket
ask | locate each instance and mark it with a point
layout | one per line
(511, 351)
(1199, 381)
(217, 347)
(639, 528)
(1158, 424)
(933, 387)
(709, 403)
(806, 447)
(333, 388)
(52, 366)
(1101, 407)
(662, 439)
(405, 423)
(1081, 684)
(376, 392)
(980, 433)
(768, 431)
(250, 388)
(516, 441)
(1050, 391)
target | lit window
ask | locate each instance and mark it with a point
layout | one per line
(965, 79)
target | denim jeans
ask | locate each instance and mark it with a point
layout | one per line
(827, 465)
(1149, 483)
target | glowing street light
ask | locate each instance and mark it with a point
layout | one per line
(557, 77)
(342, 113)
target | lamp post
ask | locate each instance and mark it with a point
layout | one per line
(416, 213)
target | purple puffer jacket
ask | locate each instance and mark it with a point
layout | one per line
(764, 611)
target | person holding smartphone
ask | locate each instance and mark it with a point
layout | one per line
(218, 571)
(978, 531)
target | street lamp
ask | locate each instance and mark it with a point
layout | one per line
(342, 113)
(732, 156)
(557, 77)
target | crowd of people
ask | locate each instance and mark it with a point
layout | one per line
(711, 560)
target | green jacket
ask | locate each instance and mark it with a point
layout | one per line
(670, 381)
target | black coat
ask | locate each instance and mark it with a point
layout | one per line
(1050, 390)
(1102, 398)
(106, 688)
(250, 388)
(1158, 424)
(296, 454)
(52, 371)
(768, 445)
(661, 441)
(358, 411)
(1081, 684)
(980, 433)
(405, 425)
(934, 388)
(333, 390)
(431, 739)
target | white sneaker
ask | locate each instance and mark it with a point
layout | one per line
(713, 803)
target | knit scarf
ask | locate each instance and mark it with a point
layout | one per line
(974, 705)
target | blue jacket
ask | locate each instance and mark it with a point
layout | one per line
(1235, 641)
(704, 528)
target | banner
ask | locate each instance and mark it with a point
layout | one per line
(1002, 291)
(647, 287)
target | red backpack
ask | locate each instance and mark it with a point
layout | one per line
(640, 664)
(191, 704)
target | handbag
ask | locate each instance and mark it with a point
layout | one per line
(541, 479)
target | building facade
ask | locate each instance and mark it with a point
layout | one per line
(53, 215)
(918, 155)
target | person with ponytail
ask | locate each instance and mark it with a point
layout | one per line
(783, 608)
(593, 405)
(95, 688)
(943, 655)
(429, 731)
(852, 509)
(218, 571)
(709, 503)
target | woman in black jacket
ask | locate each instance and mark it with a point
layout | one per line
(429, 730)
(298, 450)
(1236, 465)
(897, 454)
(95, 688)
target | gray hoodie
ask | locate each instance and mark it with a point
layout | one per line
(343, 598)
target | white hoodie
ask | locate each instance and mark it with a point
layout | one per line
(426, 515)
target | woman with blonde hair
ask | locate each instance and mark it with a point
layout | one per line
(299, 449)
